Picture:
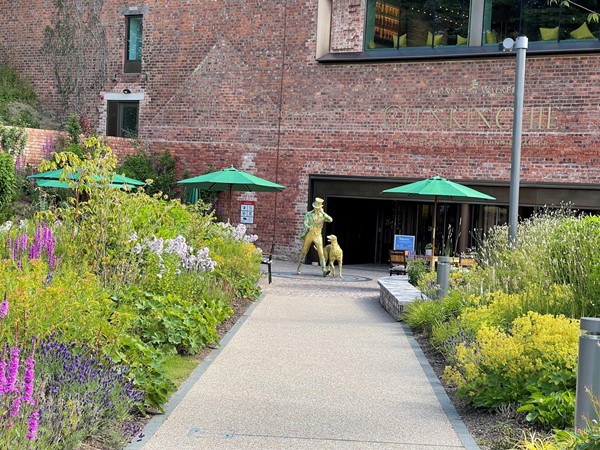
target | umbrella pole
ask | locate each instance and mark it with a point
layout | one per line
(229, 211)
(433, 238)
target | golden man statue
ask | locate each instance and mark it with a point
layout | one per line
(312, 234)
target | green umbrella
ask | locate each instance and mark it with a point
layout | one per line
(52, 179)
(231, 180)
(437, 188)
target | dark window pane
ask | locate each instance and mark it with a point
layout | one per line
(501, 19)
(577, 20)
(122, 119)
(129, 120)
(419, 24)
(112, 119)
(452, 22)
(382, 24)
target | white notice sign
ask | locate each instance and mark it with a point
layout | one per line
(247, 211)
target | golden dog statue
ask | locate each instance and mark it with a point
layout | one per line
(333, 252)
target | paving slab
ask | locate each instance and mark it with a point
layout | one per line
(317, 363)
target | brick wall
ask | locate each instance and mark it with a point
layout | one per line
(235, 83)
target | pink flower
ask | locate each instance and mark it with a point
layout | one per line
(4, 307)
(13, 370)
(29, 375)
(15, 407)
(33, 425)
(3, 370)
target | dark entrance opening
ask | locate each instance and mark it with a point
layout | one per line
(366, 228)
(366, 224)
(355, 224)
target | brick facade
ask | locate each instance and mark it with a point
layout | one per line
(235, 83)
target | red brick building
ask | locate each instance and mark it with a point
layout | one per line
(335, 98)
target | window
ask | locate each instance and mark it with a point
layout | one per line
(540, 20)
(133, 50)
(412, 23)
(122, 118)
(457, 26)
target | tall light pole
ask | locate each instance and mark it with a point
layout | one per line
(520, 46)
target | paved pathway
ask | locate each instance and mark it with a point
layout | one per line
(315, 364)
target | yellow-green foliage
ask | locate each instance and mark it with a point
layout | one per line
(498, 366)
(72, 303)
(532, 441)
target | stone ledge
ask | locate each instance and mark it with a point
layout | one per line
(395, 293)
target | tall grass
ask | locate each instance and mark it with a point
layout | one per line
(554, 264)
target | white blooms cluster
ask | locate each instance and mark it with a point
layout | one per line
(199, 261)
(238, 232)
(7, 226)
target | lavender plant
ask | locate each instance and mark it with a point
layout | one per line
(84, 395)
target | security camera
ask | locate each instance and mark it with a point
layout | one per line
(126, 91)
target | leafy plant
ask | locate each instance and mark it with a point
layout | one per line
(13, 140)
(15, 88)
(147, 164)
(8, 179)
(537, 354)
(415, 270)
(73, 128)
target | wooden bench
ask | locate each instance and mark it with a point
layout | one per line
(466, 262)
(397, 262)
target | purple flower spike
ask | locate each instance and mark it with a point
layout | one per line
(13, 370)
(4, 307)
(33, 425)
(3, 371)
(15, 407)
(29, 375)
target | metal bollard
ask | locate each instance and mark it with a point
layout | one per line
(588, 372)
(443, 275)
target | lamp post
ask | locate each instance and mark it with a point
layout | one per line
(520, 46)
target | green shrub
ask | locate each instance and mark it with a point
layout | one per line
(159, 167)
(14, 88)
(8, 179)
(13, 140)
(73, 128)
(415, 270)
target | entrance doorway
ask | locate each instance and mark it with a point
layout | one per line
(365, 228)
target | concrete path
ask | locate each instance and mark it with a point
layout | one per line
(315, 364)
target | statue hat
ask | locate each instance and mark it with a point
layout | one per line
(318, 203)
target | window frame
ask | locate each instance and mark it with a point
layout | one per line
(133, 65)
(475, 48)
(115, 116)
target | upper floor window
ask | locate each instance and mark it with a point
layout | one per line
(133, 50)
(455, 24)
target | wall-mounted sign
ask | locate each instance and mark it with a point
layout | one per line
(247, 211)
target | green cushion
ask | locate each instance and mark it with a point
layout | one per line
(583, 32)
(549, 34)
(402, 40)
(437, 40)
(490, 37)
(461, 40)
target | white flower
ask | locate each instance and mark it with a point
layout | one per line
(6, 226)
